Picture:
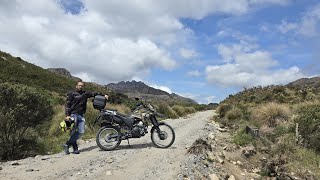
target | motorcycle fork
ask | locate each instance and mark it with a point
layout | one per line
(155, 122)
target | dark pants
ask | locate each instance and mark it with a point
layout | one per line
(77, 130)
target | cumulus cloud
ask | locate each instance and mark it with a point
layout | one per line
(163, 88)
(188, 53)
(105, 41)
(195, 73)
(307, 25)
(246, 67)
(285, 27)
(210, 99)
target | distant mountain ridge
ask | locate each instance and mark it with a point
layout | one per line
(140, 89)
(63, 72)
(306, 82)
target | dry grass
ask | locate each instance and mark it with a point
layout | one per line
(303, 161)
(179, 109)
(200, 146)
(271, 114)
(234, 114)
(222, 109)
(190, 110)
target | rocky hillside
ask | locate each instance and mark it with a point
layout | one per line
(63, 72)
(306, 82)
(141, 90)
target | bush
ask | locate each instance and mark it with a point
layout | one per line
(179, 109)
(190, 110)
(223, 109)
(242, 138)
(21, 110)
(167, 111)
(271, 114)
(234, 114)
(308, 117)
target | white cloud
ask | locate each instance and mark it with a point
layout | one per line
(109, 40)
(188, 53)
(210, 99)
(310, 22)
(246, 67)
(195, 73)
(307, 25)
(285, 27)
(163, 88)
(201, 99)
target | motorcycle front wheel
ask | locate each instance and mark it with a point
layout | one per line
(163, 137)
(108, 138)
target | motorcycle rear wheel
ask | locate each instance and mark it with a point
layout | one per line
(165, 137)
(108, 138)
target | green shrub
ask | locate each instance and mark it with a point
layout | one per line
(190, 110)
(234, 114)
(179, 109)
(167, 111)
(21, 110)
(223, 109)
(278, 132)
(304, 160)
(271, 114)
(171, 113)
(308, 117)
(242, 138)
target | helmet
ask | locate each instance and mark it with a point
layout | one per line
(63, 126)
(66, 125)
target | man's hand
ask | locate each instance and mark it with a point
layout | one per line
(67, 118)
(106, 96)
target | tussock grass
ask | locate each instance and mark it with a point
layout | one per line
(234, 114)
(223, 108)
(190, 110)
(179, 109)
(271, 114)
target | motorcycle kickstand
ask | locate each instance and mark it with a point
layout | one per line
(128, 142)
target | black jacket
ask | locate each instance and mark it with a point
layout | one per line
(77, 102)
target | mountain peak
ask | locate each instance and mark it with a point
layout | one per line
(140, 89)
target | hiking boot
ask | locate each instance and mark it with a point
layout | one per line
(76, 151)
(75, 148)
(66, 149)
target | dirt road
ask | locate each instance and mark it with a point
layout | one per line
(140, 161)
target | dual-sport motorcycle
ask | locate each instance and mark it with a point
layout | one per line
(116, 127)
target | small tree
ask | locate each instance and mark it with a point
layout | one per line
(21, 109)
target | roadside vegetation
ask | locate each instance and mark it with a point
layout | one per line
(288, 120)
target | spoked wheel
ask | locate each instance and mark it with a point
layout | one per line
(163, 138)
(108, 138)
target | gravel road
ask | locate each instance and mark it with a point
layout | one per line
(140, 161)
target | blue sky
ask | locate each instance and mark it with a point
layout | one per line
(202, 49)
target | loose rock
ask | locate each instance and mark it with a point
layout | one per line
(15, 164)
(213, 177)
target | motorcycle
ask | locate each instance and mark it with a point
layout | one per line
(116, 127)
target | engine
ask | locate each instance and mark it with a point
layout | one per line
(138, 130)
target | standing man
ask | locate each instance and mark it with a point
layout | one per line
(75, 108)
